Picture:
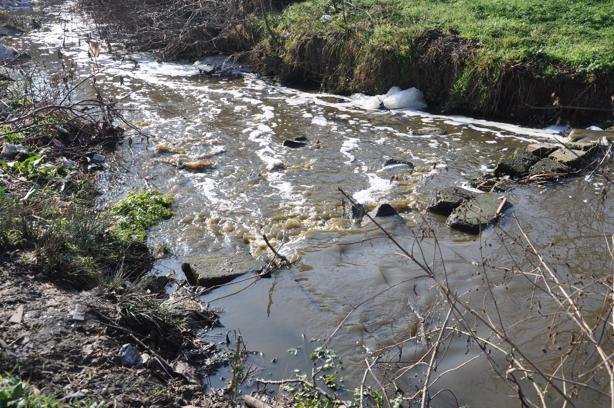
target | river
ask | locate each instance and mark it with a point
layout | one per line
(347, 279)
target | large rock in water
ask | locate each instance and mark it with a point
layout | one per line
(575, 158)
(549, 167)
(517, 165)
(477, 213)
(446, 200)
(213, 269)
(584, 139)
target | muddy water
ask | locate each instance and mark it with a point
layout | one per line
(348, 279)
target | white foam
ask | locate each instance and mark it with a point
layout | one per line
(319, 121)
(378, 187)
(349, 144)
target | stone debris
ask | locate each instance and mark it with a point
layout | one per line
(446, 200)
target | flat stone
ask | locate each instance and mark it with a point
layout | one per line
(517, 165)
(547, 166)
(542, 149)
(574, 158)
(477, 213)
(216, 269)
(385, 210)
(446, 200)
(584, 139)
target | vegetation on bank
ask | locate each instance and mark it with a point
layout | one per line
(522, 60)
(52, 230)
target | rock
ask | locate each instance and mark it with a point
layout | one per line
(218, 268)
(548, 166)
(129, 356)
(11, 151)
(7, 53)
(517, 165)
(17, 316)
(395, 162)
(430, 131)
(295, 144)
(541, 150)
(584, 139)
(163, 148)
(574, 158)
(198, 165)
(385, 210)
(446, 200)
(477, 213)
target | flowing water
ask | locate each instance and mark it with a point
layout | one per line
(348, 278)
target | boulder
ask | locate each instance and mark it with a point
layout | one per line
(477, 213)
(395, 162)
(517, 165)
(584, 139)
(541, 150)
(547, 166)
(575, 158)
(216, 269)
(385, 210)
(446, 200)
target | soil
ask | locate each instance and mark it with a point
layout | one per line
(75, 357)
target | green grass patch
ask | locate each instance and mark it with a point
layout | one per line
(575, 33)
(138, 212)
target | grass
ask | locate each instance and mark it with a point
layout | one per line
(577, 34)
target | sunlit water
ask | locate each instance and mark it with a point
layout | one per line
(257, 186)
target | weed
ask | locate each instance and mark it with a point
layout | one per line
(138, 212)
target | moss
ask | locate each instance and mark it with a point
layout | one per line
(138, 212)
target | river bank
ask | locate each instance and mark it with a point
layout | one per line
(535, 63)
(80, 318)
